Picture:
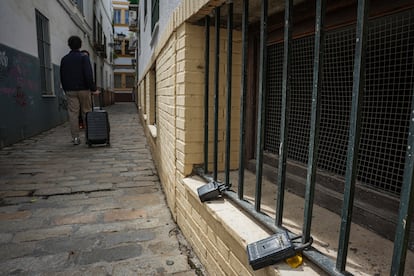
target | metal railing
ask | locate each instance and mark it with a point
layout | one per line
(331, 266)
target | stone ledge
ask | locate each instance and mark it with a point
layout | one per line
(234, 222)
(153, 130)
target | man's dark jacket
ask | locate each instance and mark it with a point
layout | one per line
(76, 72)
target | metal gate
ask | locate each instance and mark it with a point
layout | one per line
(340, 101)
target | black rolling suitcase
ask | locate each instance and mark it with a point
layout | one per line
(97, 126)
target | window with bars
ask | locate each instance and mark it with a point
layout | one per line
(43, 48)
(126, 13)
(117, 80)
(386, 105)
(130, 81)
(117, 16)
(155, 13)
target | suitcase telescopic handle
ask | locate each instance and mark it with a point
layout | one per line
(100, 97)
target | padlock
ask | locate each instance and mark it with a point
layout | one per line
(273, 249)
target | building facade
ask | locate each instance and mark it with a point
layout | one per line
(231, 88)
(124, 53)
(102, 48)
(31, 98)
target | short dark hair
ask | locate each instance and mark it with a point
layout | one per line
(74, 42)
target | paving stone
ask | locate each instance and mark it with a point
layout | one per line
(133, 184)
(109, 254)
(112, 193)
(90, 201)
(16, 250)
(39, 203)
(82, 271)
(66, 198)
(52, 191)
(108, 205)
(97, 176)
(153, 266)
(41, 234)
(53, 212)
(119, 226)
(141, 200)
(5, 237)
(33, 265)
(16, 193)
(71, 245)
(17, 226)
(4, 217)
(90, 188)
(143, 190)
(113, 179)
(16, 200)
(76, 183)
(141, 235)
(76, 219)
(146, 178)
(121, 214)
(137, 173)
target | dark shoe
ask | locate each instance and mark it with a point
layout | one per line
(76, 141)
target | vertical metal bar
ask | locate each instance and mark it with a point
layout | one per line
(228, 94)
(354, 132)
(206, 89)
(405, 216)
(315, 117)
(245, 29)
(261, 107)
(216, 89)
(281, 175)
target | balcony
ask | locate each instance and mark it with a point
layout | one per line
(133, 19)
(133, 25)
(98, 47)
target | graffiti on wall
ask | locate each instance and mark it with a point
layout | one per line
(4, 63)
(17, 77)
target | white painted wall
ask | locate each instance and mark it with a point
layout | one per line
(146, 37)
(104, 11)
(18, 27)
(18, 31)
(20, 19)
(123, 61)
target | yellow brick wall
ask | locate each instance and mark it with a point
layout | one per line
(218, 232)
(178, 64)
(190, 98)
(165, 70)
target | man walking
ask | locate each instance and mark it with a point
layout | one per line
(77, 82)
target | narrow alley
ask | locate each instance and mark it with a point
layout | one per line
(75, 210)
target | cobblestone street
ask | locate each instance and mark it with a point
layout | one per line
(75, 210)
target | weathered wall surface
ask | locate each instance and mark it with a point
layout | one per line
(24, 112)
